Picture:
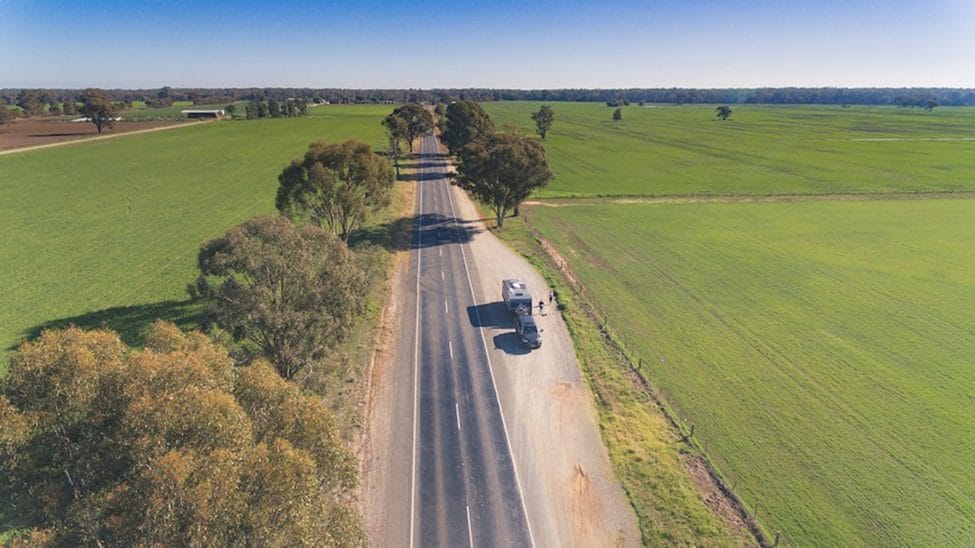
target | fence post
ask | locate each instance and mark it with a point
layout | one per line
(692, 431)
(777, 535)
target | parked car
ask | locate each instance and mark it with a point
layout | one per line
(528, 331)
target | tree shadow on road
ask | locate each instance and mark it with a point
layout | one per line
(416, 232)
(433, 229)
(425, 177)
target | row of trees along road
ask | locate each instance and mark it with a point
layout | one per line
(335, 186)
(288, 288)
(499, 169)
(403, 126)
(289, 294)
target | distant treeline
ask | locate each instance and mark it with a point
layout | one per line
(908, 97)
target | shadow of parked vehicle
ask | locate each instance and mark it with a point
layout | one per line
(490, 315)
(510, 343)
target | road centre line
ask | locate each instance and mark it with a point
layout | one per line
(445, 309)
(442, 277)
(457, 412)
(450, 346)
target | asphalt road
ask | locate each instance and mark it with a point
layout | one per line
(465, 489)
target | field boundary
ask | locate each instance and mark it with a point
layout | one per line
(751, 198)
(638, 380)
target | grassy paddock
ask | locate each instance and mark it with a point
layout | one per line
(107, 232)
(822, 349)
(667, 150)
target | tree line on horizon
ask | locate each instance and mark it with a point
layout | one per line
(165, 96)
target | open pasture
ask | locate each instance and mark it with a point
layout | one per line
(109, 230)
(685, 150)
(823, 349)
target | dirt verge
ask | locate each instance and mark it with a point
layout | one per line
(751, 199)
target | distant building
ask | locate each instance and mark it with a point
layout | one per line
(219, 113)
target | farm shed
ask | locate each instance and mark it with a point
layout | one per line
(219, 113)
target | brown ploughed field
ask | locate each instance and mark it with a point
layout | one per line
(32, 132)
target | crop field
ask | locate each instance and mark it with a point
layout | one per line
(108, 231)
(823, 350)
(685, 150)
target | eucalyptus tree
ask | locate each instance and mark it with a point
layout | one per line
(502, 170)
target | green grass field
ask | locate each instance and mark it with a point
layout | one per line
(823, 350)
(108, 231)
(664, 150)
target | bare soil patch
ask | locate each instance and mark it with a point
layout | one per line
(749, 199)
(23, 133)
(715, 496)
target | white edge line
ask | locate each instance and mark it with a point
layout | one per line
(470, 530)
(416, 368)
(487, 354)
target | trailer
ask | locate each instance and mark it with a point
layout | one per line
(516, 297)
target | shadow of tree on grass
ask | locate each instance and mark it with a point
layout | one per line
(132, 323)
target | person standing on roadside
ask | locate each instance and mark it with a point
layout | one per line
(541, 307)
(551, 296)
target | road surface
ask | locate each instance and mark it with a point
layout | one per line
(472, 439)
(465, 488)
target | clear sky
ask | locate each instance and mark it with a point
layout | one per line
(494, 44)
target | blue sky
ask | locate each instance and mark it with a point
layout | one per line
(499, 44)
